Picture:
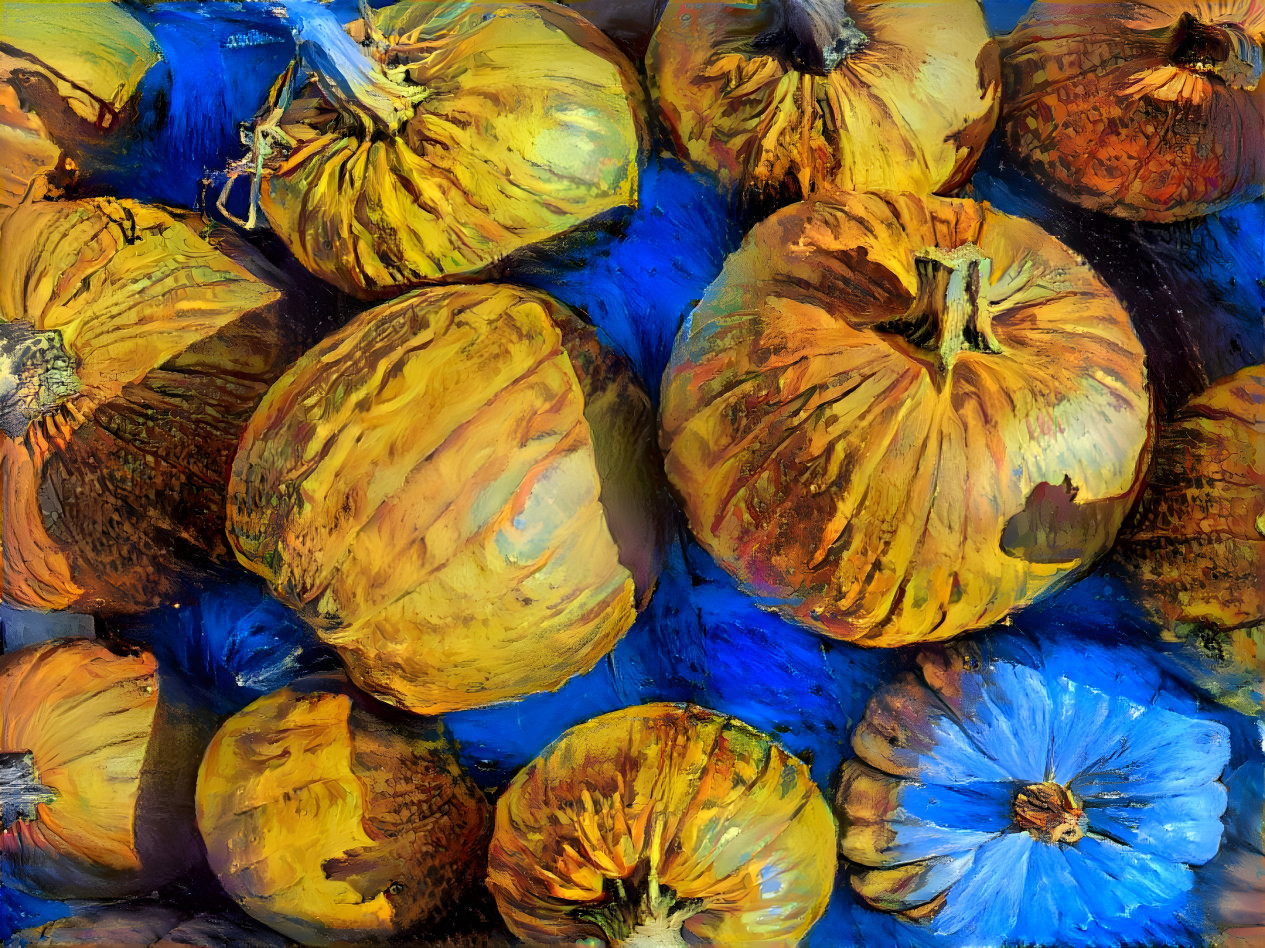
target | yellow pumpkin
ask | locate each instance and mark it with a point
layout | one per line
(337, 821)
(476, 129)
(662, 825)
(457, 490)
(131, 354)
(897, 418)
(789, 96)
(68, 75)
(1195, 553)
(97, 764)
(1152, 111)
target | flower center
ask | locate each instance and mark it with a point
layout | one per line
(814, 36)
(1224, 51)
(1049, 813)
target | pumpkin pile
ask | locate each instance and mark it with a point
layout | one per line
(631, 474)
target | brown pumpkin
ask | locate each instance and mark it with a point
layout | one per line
(457, 490)
(338, 821)
(897, 418)
(787, 96)
(1150, 111)
(133, 353)
(97, 765)
(1195, 553)
(475, 130)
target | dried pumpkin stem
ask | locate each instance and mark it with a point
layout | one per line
(1049, 813)
(1224, 50)
(20, 788)
(815, 36)
(37, 374)
(951, 311)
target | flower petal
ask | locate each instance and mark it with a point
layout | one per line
(900, 888)
(1114, 880)
(1185, 827)
(986, 901)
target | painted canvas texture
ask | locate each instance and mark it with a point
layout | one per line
(614, 473)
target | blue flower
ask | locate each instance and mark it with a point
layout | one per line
(993, 800)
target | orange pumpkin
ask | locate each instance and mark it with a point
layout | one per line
(132, 353)
(475, 129)
(457, 490)
(97, 764)
(337, 821)
(1150, 111)
(1195, 553)
(654, 824)
(788, 96)
(897, 418)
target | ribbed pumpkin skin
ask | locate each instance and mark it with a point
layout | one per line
(722, 813)
(425, 489)
(334, 823)
(110, 495)
(121, 758)
(1097, 107)
(1195, 552)
(911, 110)
(843, 474)
(531, 126)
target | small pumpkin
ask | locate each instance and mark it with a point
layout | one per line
(69, 75)
(133, 351)
(458, 491)
(1150, 111)
(1005, 801)
(662, 824)
(473, 130)
(1194, 554)
(896, 418)
(97, 762)
(335, 821)
(789, 96)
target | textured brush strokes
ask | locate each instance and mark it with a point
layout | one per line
(474, 559)
(1122, 108)
(880, 490)
(663, 820)
(909, 106)
(506, 126)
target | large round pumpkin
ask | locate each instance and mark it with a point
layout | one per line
(786, 96)
(476, 129)
(663, 825)
(335, 820)
(897, 418)
(1195, 553)
(1152, 111)
(132, 353)
(457, 490)
(96, 772)
(69, 73)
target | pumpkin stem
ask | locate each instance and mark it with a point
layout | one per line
(814, 36)
(951, 311)
(20, 788)
(1225, 51)
(37, 374)
(1049, 813)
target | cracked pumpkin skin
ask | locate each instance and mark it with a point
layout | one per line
(793, 96)
(1152, 112)
(132, 353)
(336, 822)
(897, 418)
(457, 491)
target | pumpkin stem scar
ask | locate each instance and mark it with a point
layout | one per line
(814, 36)
(1222, 50)
(1049, 813)
(952, 310)
(37, 375)
(20, 788)
(640, 912)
